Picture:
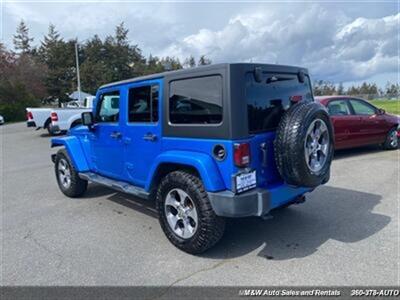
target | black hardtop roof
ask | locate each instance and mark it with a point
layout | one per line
(193, 71)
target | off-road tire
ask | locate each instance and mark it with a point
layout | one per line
(387, 144)
(210, 226)
(289, 145)
(78, 186)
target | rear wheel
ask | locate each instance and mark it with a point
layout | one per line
(68, 178)
(392, 141)
(186, 215)
(51, 130)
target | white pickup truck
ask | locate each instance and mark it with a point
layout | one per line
(57, 120)
(63, 119)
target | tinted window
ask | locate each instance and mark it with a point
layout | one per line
(338, 108)
(196, 100)
(143, 104)
(268, 99)
(362, 108)
(108, 107)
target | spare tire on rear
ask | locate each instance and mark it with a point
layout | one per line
(304, 145)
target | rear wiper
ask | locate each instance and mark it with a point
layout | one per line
(276, 78)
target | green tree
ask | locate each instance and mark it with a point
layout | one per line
(21, 84)
(392, 90)
(21, 40)
(153, 65)
(204, 61)
(50, 41)
(126, 60)
(59, 57)
(170, 63)
(323, 88)
(94, 68)
(340, 89)
(190, 62)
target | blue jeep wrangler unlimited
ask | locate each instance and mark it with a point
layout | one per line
(226, 140)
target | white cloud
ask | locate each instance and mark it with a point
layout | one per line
(334, 48)
(346, 42)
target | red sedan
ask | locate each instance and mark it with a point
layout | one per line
(358, 123)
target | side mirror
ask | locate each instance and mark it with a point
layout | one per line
(381, 111)
(87, 119)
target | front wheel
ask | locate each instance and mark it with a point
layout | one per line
(186, 215)
(68, 178)
(391, 141)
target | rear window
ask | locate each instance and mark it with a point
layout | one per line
(268, 99)
(196, 100)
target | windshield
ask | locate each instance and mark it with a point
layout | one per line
(269, 98)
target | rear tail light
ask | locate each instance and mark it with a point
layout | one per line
(242, 154)
(54, 117)
(29, 115)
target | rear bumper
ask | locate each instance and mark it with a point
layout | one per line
(30, 124)
(257, 202)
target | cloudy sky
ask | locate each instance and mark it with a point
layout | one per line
(337, 40)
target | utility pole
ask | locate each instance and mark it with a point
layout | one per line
(78, 76)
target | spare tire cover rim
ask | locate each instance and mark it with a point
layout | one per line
(316, 145)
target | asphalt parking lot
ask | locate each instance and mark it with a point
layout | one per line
(347, 232)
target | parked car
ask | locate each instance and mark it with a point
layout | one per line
(1, 120)
(56, 120)
(358, 123)
(39, 118)
(226, 140)
(63, 119)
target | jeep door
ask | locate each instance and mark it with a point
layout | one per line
(142, 129)
(106, 136)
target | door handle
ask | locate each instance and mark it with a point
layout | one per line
(115, 135)
(150, 137)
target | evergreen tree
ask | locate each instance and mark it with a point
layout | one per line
(171, 63)
(59, 57)
(94, 67)
(392, 90)
(190, 62)
(121, 35)
(50, 43)
(21, 40)
(204, 61)
(21, 84)
(153, 65)
(340, 89)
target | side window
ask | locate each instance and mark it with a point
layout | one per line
(362, 108)
(338, 108)
(196, 100)
(108, 108)
(143, 104)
